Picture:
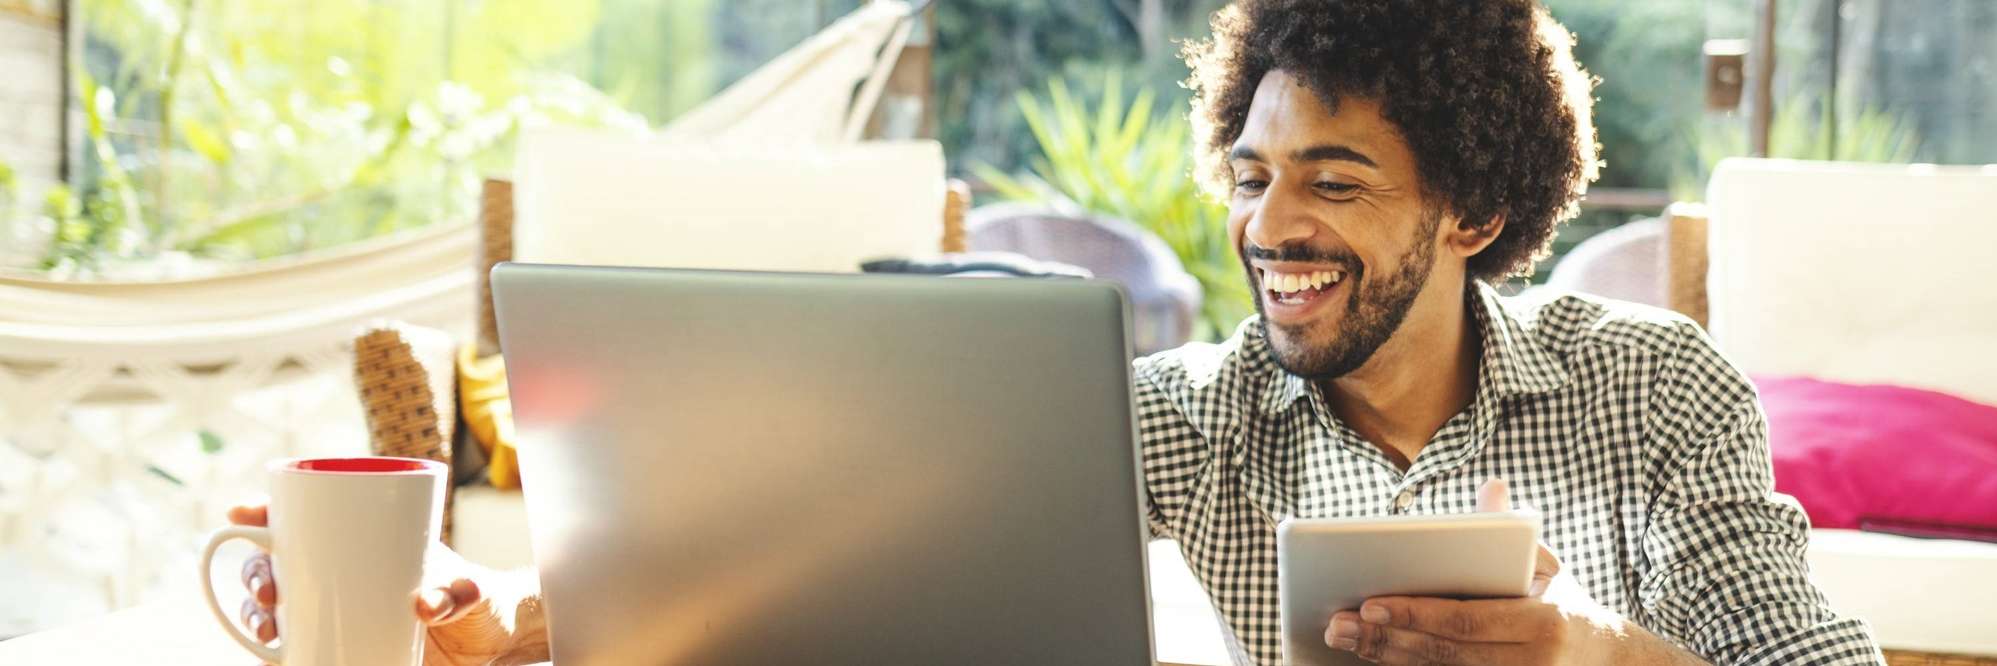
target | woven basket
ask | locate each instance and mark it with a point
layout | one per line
(410, 406)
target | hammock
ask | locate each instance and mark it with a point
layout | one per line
(130, 413)
(806, 94)
(380, 276)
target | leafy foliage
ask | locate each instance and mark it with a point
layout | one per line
(988, 51)
(10, 192)
(1801, 129)
(1131, 161)
(1647, 56)
(230, 131)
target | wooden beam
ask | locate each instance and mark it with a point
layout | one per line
(1763, 56)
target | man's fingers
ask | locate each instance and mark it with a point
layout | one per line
(257, 612)
(1393, 645)
(258, 580)
(1544, 568)
(1479, 620)
(259, 621)
(465, 592)
(248, 614)
(435, 605)
(254, 513)
(1493, 496)
(446, 604)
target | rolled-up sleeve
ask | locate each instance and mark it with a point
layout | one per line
(1724, 570)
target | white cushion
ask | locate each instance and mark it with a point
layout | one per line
(1918, 594)
(592, 198)
(1857, 272)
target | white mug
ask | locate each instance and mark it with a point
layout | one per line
(346, 537)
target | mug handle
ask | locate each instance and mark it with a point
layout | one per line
(260, 536)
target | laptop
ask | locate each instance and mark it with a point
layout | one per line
(760, 468)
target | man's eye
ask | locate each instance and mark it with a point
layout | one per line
(1336, 188)
(1250, 185)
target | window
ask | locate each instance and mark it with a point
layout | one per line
(215, 132)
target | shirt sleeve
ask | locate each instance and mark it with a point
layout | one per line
(1725, 573)
(1170, 446)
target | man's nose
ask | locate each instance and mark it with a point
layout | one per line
(1280, 218)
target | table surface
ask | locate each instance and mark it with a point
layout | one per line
(179, 630)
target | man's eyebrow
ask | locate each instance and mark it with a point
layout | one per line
(1317, 153)
(1326, 152)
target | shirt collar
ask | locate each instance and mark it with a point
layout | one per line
(1283, 388)
(1512, 362)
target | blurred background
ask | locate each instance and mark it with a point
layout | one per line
(179, 136)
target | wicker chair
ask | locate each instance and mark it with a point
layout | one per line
(409, 395)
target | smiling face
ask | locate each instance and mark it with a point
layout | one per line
(1329, 219)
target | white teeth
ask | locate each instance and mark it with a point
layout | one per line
(1284, 283)
(1299, 282)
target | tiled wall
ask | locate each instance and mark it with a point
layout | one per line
(31, 98)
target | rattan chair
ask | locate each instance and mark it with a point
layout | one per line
(411, 405)
(407, 382)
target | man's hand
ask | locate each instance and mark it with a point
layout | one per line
(466, 624)
(1557, 623)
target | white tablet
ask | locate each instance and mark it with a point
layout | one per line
(1325, 565)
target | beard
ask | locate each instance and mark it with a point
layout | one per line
(1321, 351)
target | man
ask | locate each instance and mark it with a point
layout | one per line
(1384, 160)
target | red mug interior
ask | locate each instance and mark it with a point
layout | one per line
(362, 465)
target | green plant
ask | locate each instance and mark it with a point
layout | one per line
(71, 229)
(101, 222)
(10, 190)
(1132, 162)
(1646, 55)
(1801, 130)
(238, 131)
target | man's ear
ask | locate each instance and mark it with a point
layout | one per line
(1466, 239)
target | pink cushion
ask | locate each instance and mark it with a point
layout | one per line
(1887, 458)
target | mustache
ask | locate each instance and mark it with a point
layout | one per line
(1301, 254)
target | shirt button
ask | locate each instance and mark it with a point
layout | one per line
(1406, 499)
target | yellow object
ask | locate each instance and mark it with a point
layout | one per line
(488, 413)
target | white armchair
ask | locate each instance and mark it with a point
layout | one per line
(1861, 273)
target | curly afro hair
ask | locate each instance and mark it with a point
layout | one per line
(1485, 92)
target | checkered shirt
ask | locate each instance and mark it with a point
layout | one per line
(1643, 448)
